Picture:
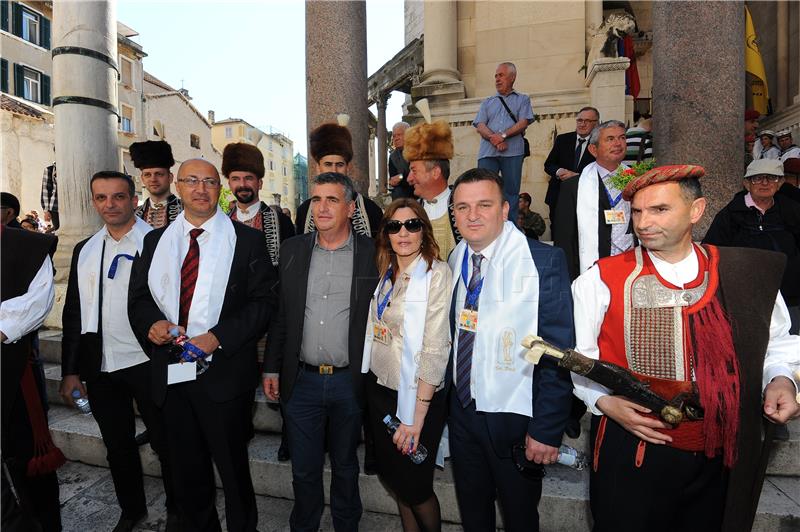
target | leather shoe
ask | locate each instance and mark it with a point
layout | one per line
(126, 524)
(142, 438)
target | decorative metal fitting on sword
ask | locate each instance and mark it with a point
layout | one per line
(616, 378)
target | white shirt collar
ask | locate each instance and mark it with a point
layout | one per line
(438, 209)
(680, 273)
(135, 234)
(209, 226)
(248, 212)
(487, 252)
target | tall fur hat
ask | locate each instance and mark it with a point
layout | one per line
(428, 140)
(331, 139)
(152, 154)
(242, 157)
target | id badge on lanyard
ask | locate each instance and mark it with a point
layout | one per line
(468, 319)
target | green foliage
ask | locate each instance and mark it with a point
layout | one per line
(225, 199)
(623, 176)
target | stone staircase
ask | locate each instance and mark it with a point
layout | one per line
(564, 505)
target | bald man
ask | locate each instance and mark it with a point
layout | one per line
(210, 279)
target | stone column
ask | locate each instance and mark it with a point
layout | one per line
(683, 98)
(606, 81)
(336, 75)
(782, 61)
(85, 114)
(381, 134)
(594, 19)
(441, 42)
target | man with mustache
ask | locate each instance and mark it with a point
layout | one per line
(154, 159)
(243, 165)
(681, 317)
(592, 219)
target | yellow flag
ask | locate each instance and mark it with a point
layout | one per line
(754, 64)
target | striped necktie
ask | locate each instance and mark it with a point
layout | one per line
(466, 341)
(189, 277)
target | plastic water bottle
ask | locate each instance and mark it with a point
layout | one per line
(392, 423)
(571, 457)
(81, 402)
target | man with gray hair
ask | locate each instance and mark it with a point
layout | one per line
(592, 220)
(398, 166)
(313, 359)
(501, 123)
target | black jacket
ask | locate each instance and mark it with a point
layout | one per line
(563, 156)
(286, 332)
(737, 225)
(249, 304)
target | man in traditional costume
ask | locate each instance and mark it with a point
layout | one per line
(592, 219)
(789, 149)
(201, 296)
(99, 347)
(331, 147)
(243, 165)
(30, 459)
(496, 402)
(154, 159)
(428, 149)
(678, 316)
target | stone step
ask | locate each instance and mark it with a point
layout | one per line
(784, 460)
(564, 504)
(88, 503)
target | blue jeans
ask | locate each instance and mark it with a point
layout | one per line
(321, 403)
(510, 169)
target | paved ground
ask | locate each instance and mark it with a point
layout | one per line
(88, 504)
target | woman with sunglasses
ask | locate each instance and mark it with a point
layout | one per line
(405, 355)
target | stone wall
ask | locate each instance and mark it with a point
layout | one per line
(413, 12)
(27, 148)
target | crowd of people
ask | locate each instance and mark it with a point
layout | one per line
(406, 325)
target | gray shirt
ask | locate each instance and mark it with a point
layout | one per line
(327, 314)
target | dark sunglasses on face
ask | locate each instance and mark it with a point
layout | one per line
(414, 225)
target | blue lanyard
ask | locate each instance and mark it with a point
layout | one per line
(471, 300)
(611, 200)
(383, 304)
(112, 271)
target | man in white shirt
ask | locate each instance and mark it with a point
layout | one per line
(100, 348)
(678, 316)
(592, 219)
(209, 279)
(29, 484)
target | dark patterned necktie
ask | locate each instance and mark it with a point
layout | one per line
(466, 341)
(578, 152)
(189, 277)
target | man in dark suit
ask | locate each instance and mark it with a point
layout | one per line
(212, 280)
(496, 401)
(100, 348)
(313, 359)
(569, 155)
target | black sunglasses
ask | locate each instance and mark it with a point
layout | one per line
(414, 225)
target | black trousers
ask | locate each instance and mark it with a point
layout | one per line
(202, 431)
(481, 476)
(671, 489)
(111, 396)
(39, 496)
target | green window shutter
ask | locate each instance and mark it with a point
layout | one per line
(4, 75)
(16, 15)
(44, 33)
(44, 88)
(19, 80)
(4, 15)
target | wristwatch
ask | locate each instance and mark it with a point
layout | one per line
(503, 134)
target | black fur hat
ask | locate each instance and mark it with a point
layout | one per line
(152, 154)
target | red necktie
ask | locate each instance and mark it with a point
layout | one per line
(189, 277)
